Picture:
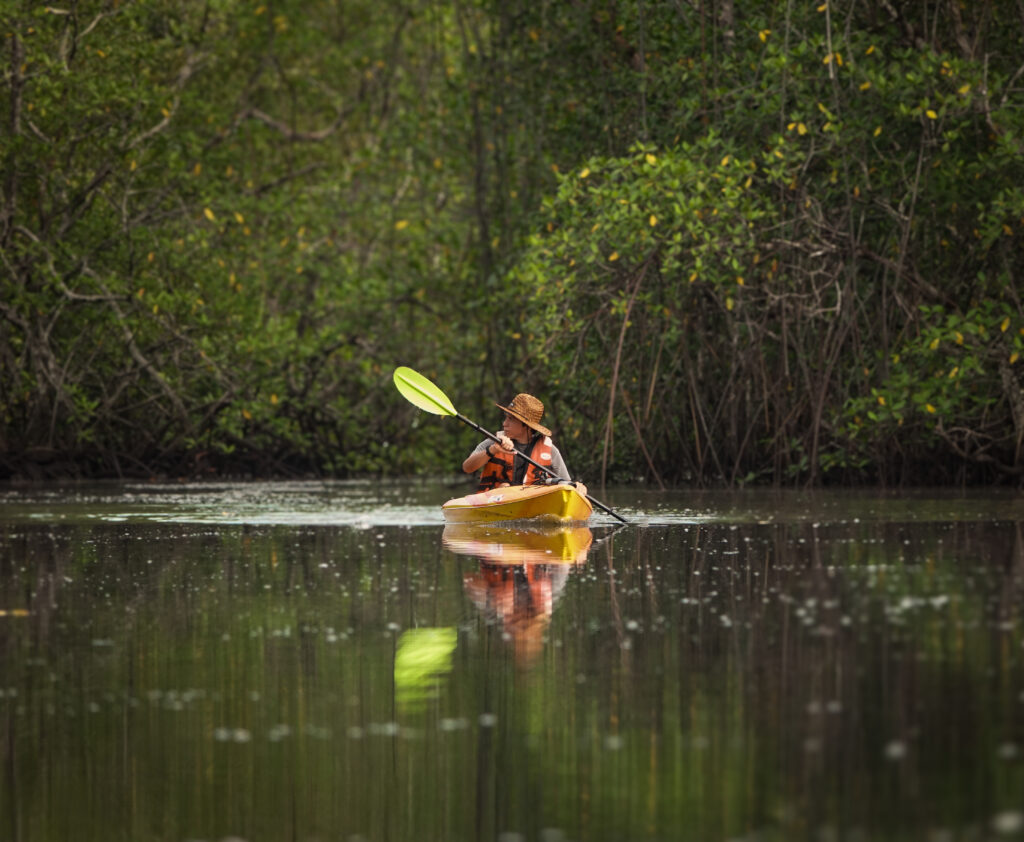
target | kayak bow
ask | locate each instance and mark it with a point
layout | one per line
(556, 503)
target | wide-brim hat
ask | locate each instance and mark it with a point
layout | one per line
(529, 410)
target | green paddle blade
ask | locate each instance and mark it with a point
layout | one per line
(420, 392)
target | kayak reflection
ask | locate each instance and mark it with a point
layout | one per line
(522, 573)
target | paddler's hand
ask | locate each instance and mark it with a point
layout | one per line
(504, 442)
(581, 488)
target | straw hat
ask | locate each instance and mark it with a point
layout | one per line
(529, 410)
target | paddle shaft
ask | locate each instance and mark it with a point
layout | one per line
(544, 468)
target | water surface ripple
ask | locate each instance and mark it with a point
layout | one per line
(313, 661)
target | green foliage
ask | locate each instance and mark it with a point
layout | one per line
(710, 238)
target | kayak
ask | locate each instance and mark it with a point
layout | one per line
(557, 503)
(524, 545)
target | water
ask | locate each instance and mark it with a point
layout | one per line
(330, 662)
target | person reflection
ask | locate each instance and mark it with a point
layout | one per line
(520, 577)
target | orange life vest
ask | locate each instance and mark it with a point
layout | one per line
(500, 469)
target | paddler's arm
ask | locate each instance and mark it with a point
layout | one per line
(478, 458)
(558, 466)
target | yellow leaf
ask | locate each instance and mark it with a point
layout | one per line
(763, 34)
(653, 220)
(209, 214)
(165, 112)
(801, 129)
(402, 224)
(156, 308)
(100, 53)
(930, 408)
(729, 303)
(141, 292)
(239, 218)
(613, 256)
(1005, 326)
(584, 172)
(198, 168)
(959, 338)
(827, 59)
(247, 415)
(964, 89)
(725, 160)
(595, 227)
(791, 126)
(878, 131)
(273, 398)
(839, 59)
(1007, 230)
(151, 257)
(260, 10)
(822, 7)
(651, 159)
(740, 280)
(133, 164)
(693, 277)
(865, 85)
(931, 114)
(1014, 357)
(881, 400)
(869, 50)
(934, 344)
(954, 372)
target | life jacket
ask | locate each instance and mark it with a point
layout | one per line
(500, 469)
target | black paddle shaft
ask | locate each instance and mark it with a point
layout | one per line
(544, 468)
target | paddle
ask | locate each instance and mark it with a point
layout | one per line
(422, 393)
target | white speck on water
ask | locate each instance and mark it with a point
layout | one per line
(355, 733)
(613, 742)
(279, 732)
(1009, 821)
(488, 720)
(1008, 751)
(895, 750)
(448, 724)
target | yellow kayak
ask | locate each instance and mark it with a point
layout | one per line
(527, 545)
(553, 503)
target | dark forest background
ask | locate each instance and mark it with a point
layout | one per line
(724, 241)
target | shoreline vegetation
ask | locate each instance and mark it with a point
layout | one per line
(727, 242)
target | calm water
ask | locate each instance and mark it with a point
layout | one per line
(330, 662)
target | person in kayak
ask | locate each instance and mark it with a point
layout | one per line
(521, 433)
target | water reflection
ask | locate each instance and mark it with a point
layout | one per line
(522, 573)
(836, 679)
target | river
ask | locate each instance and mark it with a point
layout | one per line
(330, 661)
